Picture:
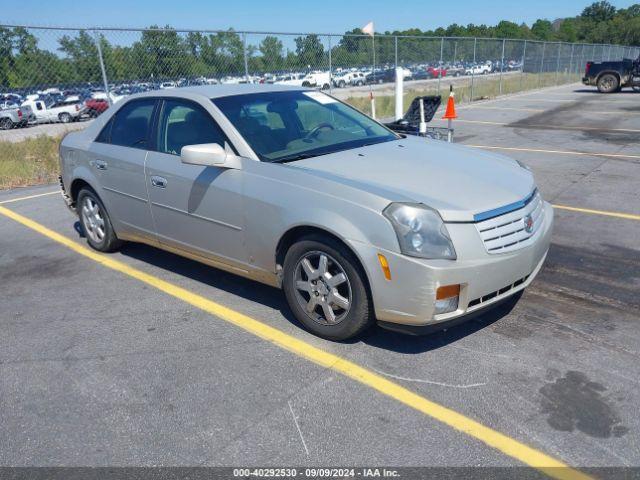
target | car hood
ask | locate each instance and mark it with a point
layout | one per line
(457, 181)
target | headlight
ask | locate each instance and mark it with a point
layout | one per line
(522, 164)
(420, 230)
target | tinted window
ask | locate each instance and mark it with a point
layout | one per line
(105, 133)
(186, 123)
(131, 124)
(289, 125)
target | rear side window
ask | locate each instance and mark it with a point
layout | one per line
(130, 125)
(105, 133)
(185, 123)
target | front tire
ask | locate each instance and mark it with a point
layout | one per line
(96, 223)
(608, 83)
(325, 287)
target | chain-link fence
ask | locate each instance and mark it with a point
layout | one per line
(62, 75)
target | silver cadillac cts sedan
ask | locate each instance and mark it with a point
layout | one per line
(295, 189)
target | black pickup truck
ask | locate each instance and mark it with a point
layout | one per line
(611, 77)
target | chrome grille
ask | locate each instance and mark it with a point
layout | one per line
(507, 232)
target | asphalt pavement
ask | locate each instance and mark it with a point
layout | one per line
(100, 369)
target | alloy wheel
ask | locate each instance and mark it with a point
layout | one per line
(92, 220)
(322, 288)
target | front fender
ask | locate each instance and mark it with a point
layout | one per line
(274, 208)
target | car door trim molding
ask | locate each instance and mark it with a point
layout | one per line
(195, 215)
(109, 189)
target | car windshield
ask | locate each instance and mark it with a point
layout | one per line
(292, 125)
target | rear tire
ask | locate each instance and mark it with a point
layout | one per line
(6, 124)
(608, 83)
(96, 223)
(64, 117)
(331, 301)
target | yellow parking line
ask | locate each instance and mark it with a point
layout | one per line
(628, 216)
(561, 152)
(507, 445)
(558, 127)
(19, 199)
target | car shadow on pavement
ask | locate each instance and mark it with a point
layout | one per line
(595, 91)
(228, 282)
(410, 344)
(274, 299)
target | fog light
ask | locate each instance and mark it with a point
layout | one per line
(447, 299)
(446, 306)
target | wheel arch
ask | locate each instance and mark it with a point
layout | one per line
(612, 72)
(298, 232)
(78, 184)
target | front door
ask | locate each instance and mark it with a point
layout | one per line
(117, 158)
(194, 208)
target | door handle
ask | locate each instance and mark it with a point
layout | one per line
(159, 182)
(100, 164)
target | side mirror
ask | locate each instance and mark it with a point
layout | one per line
(206, 154)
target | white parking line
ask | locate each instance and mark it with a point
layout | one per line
(540, 110)
(19, 199)
(557, 127)
(561, 152)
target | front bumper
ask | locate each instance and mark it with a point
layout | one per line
(485, 279)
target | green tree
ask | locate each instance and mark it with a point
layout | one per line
(83, 54)
(310, 51)
(568, 30)
(506, 29)
(542, 30)
(271, 52)
(599, 11)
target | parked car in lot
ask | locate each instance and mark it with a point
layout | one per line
(437, 71)
(455, 70)
(479, 69)
(293, 79)
(13, 116)
(62, 111)
(295, 189)
(317, 79)
(93, 107)
(381, 76)
(611, 77)
(347, 79)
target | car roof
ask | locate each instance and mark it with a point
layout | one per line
(216, 91)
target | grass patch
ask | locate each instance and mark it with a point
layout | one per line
(33, 161)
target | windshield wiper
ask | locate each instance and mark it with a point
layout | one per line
(297, 156)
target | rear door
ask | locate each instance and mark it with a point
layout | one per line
(195, 208)
(118, 160)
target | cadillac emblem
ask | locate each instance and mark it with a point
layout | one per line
(528, 224)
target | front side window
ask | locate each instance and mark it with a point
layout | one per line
(290, 125)
(185, 123)
(131, 124)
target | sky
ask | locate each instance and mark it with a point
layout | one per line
(322, 16)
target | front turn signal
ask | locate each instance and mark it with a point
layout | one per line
(384, 264)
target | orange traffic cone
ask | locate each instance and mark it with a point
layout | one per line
(450, 112)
